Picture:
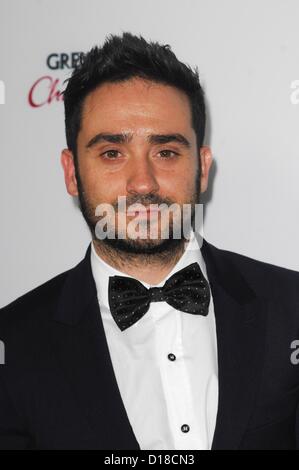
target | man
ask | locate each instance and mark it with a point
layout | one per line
(151, 342)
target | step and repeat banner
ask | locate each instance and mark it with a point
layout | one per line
(247, 55)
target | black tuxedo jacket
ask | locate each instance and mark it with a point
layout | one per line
(58, 389)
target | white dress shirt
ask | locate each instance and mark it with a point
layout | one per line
(165, 365)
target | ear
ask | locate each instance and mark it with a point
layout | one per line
(68, 165)
(205, 163)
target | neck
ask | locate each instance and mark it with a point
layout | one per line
(149, 268)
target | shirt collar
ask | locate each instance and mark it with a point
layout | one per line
(102, 271)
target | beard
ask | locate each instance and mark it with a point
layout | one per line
(148, 249)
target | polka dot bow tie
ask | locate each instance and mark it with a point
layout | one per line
(187, 290)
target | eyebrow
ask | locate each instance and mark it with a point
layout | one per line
(127, 137)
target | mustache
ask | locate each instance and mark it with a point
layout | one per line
(145, 200)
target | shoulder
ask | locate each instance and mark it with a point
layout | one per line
(28, 323)
(32, 307)
(265, 278)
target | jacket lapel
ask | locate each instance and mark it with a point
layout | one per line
(240, 325)
(80, 342)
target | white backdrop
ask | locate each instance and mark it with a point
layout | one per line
(247, 53)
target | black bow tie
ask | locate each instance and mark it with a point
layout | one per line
(186, 290)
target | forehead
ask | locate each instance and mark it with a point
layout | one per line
(136, 105)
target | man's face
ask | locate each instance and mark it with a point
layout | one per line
(132, 158)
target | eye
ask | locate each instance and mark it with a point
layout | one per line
(110, 154)
(168, 154)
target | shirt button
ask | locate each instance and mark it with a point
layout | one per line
(171, 357)
(185, 428)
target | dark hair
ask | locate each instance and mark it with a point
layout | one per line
(124, 57)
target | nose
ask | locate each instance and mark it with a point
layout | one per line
(141, 179)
